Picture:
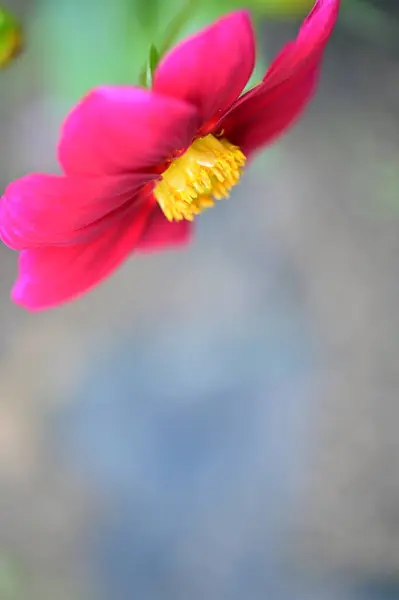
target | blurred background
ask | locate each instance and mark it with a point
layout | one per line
(217, 423)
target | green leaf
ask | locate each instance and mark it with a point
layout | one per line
(147, 72)
(169, 37)
(153, 59)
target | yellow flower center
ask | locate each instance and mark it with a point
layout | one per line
(204, 173)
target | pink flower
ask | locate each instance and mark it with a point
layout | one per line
(139, 165)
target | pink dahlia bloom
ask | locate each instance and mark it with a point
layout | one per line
(140, 164)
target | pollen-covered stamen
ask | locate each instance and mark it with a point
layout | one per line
(205, 172)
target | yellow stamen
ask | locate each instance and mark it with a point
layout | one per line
(205, 172)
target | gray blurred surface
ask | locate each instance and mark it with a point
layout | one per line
(221, 421)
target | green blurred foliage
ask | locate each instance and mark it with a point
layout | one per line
(283, 7)
(372, 22)
(11, 587)
(10, 37)
(274, 8)
(83, 45)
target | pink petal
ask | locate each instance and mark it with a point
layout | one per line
(268, 113)
(119, 130)
(161, 233)
(39, 210)
(268, 110)
(210, 69)
(50, 276)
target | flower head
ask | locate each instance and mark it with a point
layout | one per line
(140, 164)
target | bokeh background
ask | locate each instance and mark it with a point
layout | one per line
(221, 422)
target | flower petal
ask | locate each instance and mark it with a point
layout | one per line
(161, 233)
(266, 111)
(39, 210)
(210, 69)
(119, 130)
(52, 275)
